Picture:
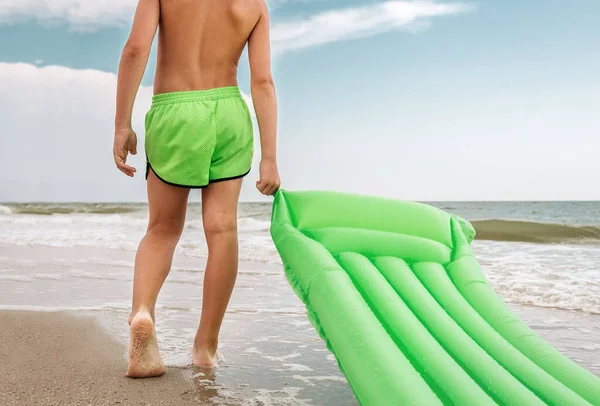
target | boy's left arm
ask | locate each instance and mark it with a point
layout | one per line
(131, 71)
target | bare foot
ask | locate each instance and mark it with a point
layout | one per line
(144, 358)
(202, 357)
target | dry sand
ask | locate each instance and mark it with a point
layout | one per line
(59, 359)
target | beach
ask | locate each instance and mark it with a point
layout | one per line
(272, 355)
(62, 359)
(65, 291)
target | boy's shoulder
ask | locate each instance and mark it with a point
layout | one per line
(250, 5)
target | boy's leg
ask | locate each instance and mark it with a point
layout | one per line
(219, 215)
(167, 205)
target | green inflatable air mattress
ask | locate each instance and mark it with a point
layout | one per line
(395, 291)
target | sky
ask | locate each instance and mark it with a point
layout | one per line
(424, 100)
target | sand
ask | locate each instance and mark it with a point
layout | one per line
(60, 359)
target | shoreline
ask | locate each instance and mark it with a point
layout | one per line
(51, 261)
(74, 303)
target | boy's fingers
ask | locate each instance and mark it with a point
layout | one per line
(120, 159)
(122, 166)
(270, 189)
(126, 172)
(126, 168)
(264, 188)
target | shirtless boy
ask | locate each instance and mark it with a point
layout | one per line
(198, 135)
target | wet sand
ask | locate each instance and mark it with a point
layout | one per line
(60, 359)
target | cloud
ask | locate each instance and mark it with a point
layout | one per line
(83, 15)
(328, 26)
(359, 22)
(56, 135)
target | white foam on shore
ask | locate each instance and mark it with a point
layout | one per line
(248, 224)
(54, 309)
(290, 311)
(124, 306)
(555, 276)
(80, 273)
(282, 358)
(552, 276)
(293, 368)
(287, 396)
(11, 275)
(245, 224)
(123, 232)
(16, 277)
(309, 379)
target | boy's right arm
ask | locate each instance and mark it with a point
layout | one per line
(264, 100)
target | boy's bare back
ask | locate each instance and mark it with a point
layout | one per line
(200, 42)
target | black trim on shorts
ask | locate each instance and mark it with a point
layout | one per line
(149, 167)
(231, 178)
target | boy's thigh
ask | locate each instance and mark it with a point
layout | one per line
(166, 203)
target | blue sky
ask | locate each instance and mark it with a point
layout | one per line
(487, 100)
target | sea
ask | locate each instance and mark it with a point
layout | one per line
(542, 258)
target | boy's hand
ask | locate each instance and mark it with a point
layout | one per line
(125, 142)
(269, 178)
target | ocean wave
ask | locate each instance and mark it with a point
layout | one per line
(537, 292)
(75, 208)
(256, 249)
(562, 276)
(246, 224)
(78, 219)
(529, 231)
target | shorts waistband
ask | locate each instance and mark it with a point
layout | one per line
(196, 95)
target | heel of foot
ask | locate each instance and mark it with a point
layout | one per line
(144, 357)
(142, 331)
(206, 359)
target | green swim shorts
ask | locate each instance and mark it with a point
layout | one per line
(194, 138)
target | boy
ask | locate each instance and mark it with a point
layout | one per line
(198, 135)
